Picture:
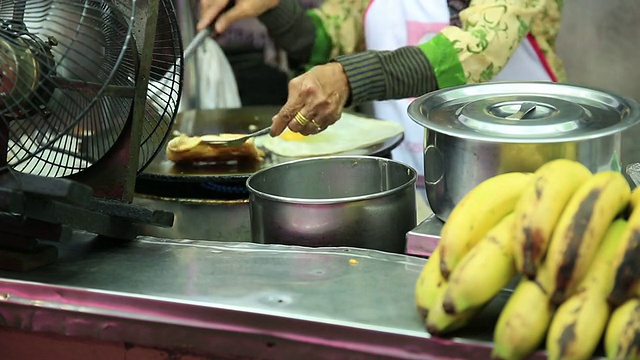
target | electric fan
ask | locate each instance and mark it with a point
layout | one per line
(88, 94)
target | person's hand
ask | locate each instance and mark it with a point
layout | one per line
(316, 100)
(211, 9)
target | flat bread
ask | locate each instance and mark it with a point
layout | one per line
(349, 133)
(184, 148)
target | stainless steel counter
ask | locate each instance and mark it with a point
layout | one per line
(236, 300)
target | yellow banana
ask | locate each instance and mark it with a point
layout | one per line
(540, 207)
(603, 270)
(484, 271)
(635, 198)
(523, 322)
(622, 337)
(578, 324)
(428, 284)
(478, 211)
(440, 323)
(580, 231)
(636, 290)
(627, 261)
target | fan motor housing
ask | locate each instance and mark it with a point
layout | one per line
(26, 62)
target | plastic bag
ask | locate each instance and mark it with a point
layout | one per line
(216, 84)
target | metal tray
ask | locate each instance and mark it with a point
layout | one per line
(241, 120)
(336, 303)
(230, 299)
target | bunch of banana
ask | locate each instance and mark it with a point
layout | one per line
(449, 302)
(479, 211)
(539, 208)
(578, 324)
(428, 284)
(573, 237)
(627, 259)
(430, 290)
(439, 322)
(622, 337)
(483, 272)
(605, 302)
(576, 273)
(523, 322)
(580, 229)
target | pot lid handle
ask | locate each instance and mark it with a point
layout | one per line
(525, 108)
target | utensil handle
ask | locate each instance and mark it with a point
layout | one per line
(525, 108)
(633, 170)
(196, 42)
(262, 132)
(205, 33)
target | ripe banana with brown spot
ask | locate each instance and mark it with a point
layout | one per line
(429, 282)
(577, 327)
(483, 271)
(622, 337)
(523, 322)
(579, 323)
(627, 262)
(539, 208)
(478, 211)
(580, 231)
(440, 323)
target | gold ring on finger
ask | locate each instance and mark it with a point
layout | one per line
(315, 123)
(301, 119)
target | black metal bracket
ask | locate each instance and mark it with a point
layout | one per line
(34, 208)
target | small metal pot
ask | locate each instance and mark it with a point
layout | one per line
(475, 132)
(356, 201)
(199, 219)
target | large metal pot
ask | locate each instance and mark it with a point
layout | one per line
(356, 201)
(475, 132)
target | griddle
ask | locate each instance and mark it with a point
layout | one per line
(226, 178)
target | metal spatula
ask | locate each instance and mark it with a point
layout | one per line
(196, 42)
(215, 140)
(203, 34)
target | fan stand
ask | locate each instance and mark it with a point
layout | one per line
(98, 199)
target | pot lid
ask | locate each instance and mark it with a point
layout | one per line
(524, 112)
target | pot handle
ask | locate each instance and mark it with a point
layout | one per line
(633, 170)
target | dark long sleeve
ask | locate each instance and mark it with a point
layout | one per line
(291, 29)
(385, 75)
(373, 75)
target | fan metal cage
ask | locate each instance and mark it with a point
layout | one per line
(68, 78)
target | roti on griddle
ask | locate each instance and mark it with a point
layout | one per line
(184, 148)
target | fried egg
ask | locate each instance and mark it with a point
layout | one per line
(351, 132)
